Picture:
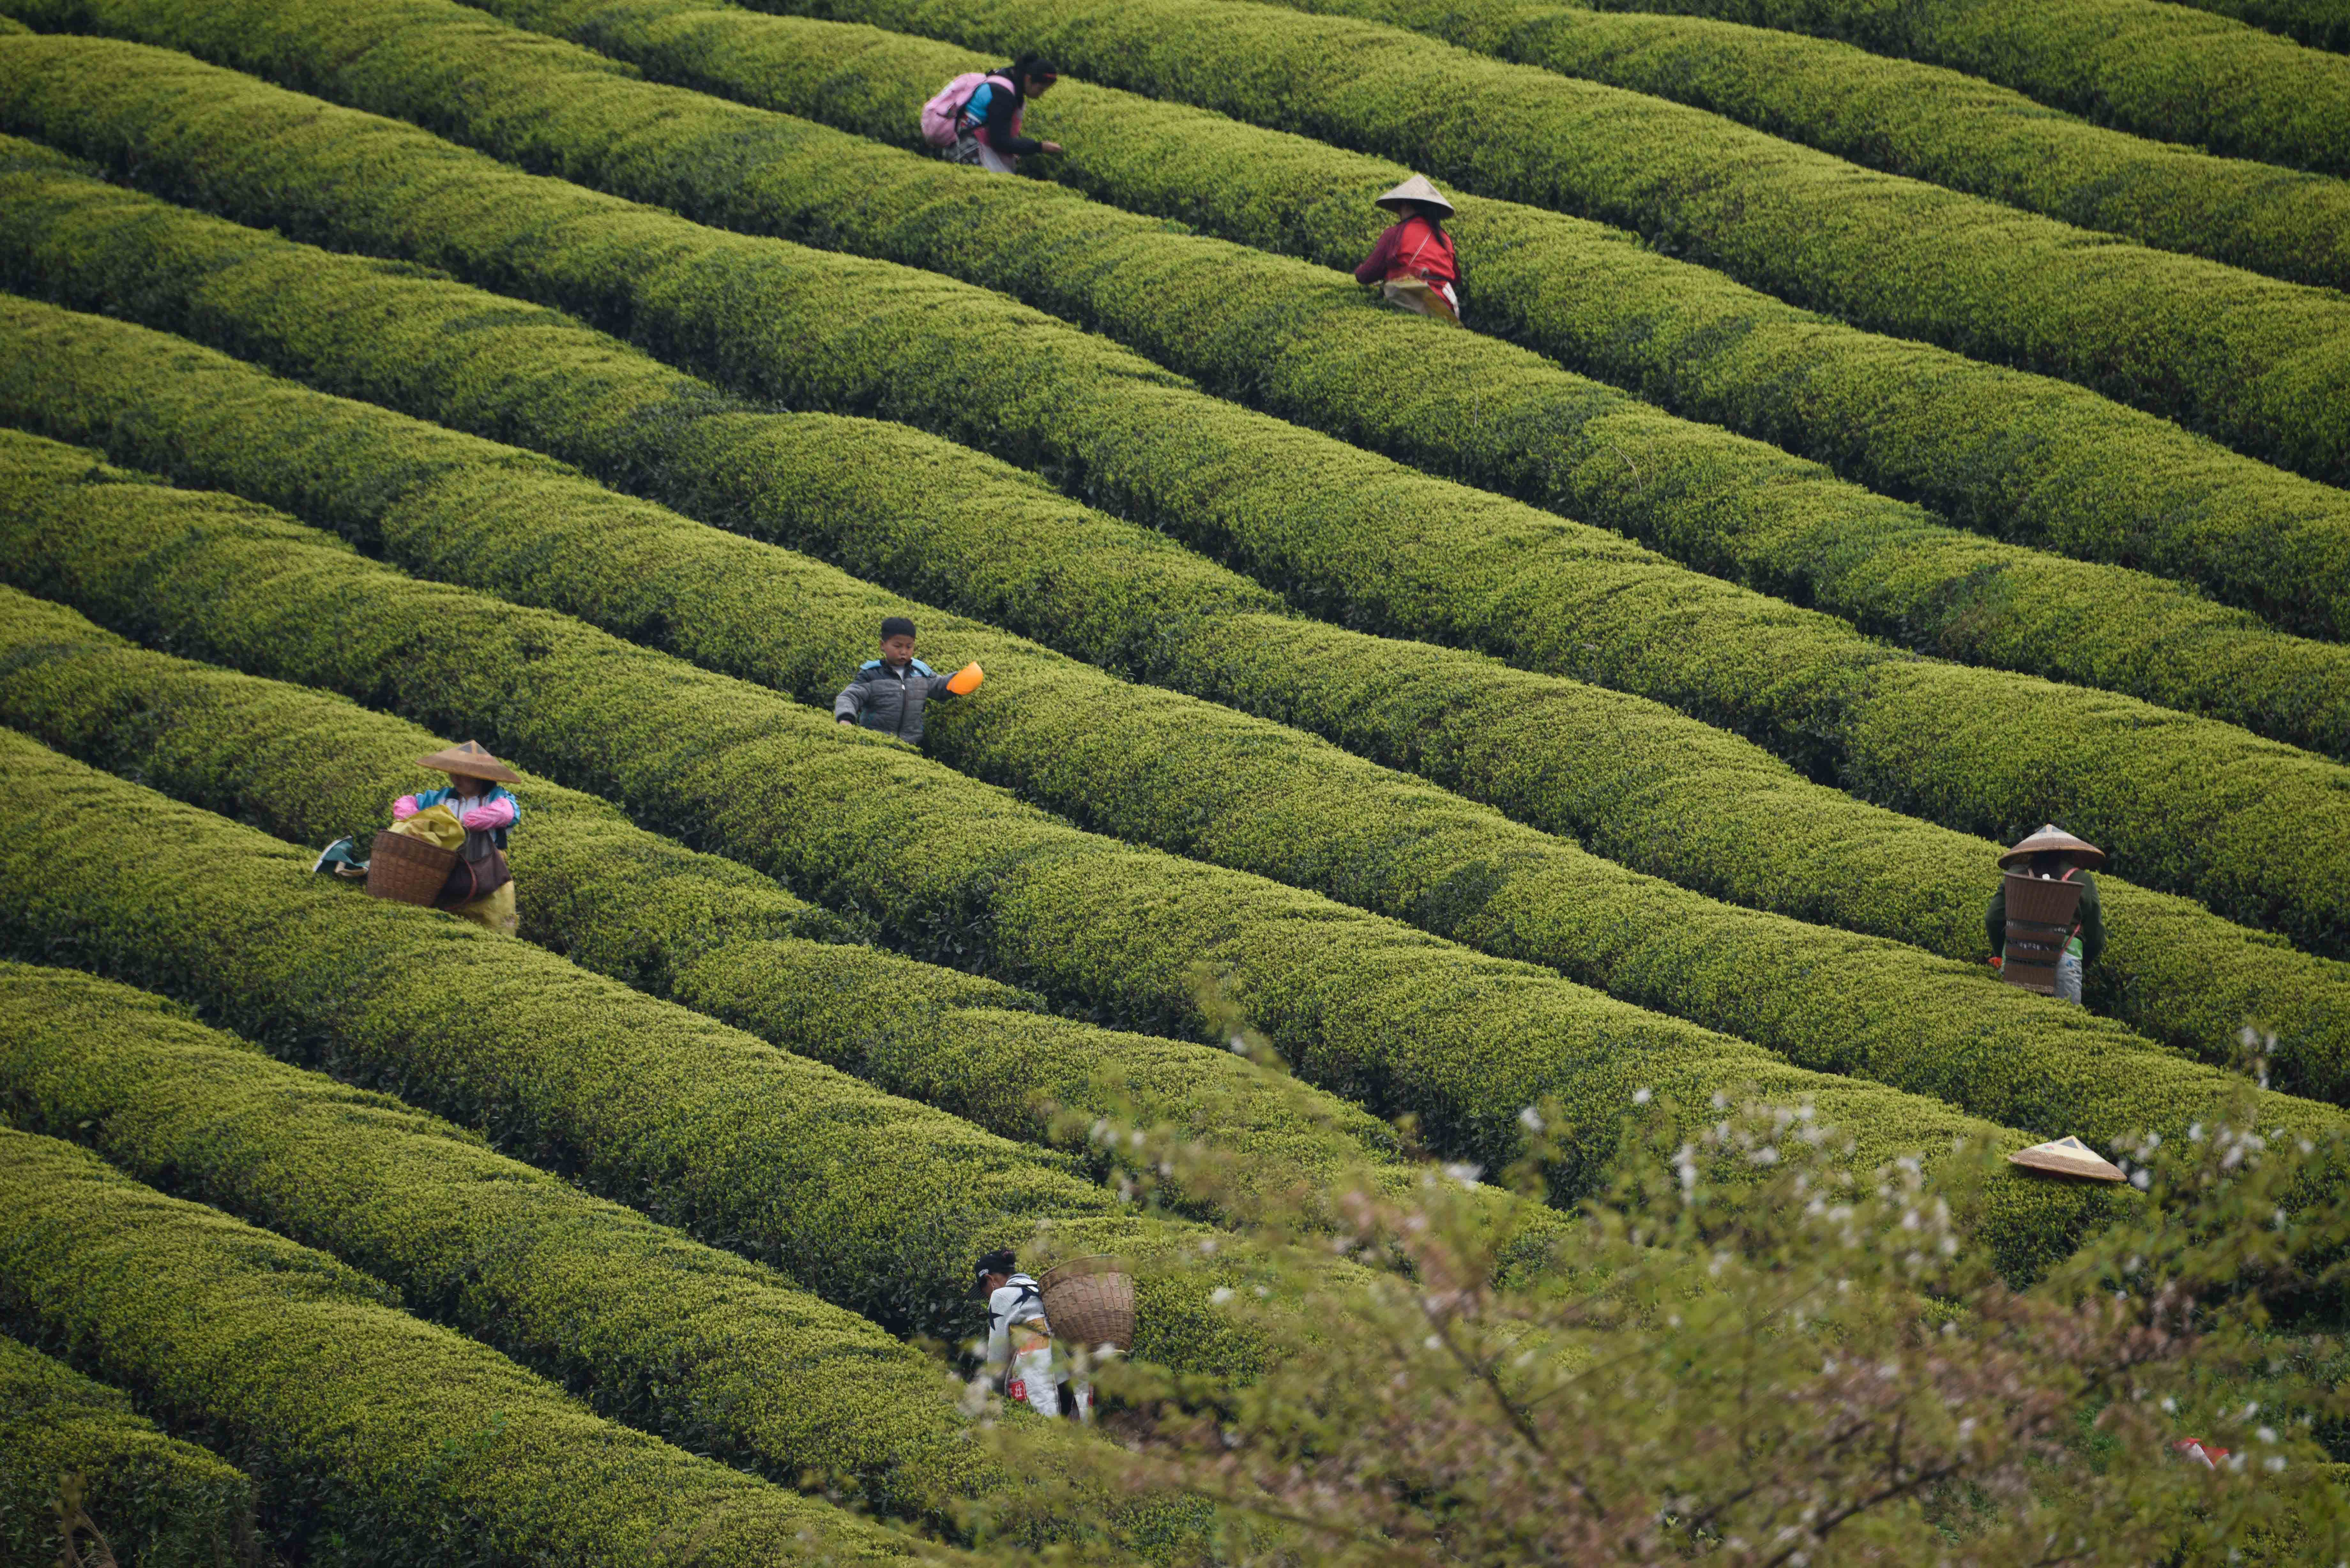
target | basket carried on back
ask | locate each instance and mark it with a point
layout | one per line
(1090, 1302)
(2040, 916)
(408, 871)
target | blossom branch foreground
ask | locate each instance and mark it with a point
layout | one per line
(1747, 1352)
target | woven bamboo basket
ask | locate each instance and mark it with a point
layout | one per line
(1090, 1302)
(408, 871)
(2040, 913)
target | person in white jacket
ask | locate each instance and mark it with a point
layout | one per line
(1020, 1340)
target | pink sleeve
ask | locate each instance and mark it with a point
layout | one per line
(403, 808)
(489, 818)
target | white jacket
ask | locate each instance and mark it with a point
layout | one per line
(1017, 1302)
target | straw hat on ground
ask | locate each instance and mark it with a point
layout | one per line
(1416, 189)
(2051, 837)
(2067, 1157)
(468, 760)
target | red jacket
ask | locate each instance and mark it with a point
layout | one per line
(1413, 248)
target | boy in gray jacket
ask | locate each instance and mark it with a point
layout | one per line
(889, 693)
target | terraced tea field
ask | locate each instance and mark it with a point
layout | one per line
(1877, 431)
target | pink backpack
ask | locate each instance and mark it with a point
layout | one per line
(940, 114)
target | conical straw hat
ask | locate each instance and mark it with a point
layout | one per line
(1416, 189)
(468, 760)
(2052, 837)
(2067, 1157)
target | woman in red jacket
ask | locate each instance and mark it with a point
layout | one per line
(1414, 266)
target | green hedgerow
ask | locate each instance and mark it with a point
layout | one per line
(2149, 69)
(1144, 765)
(2024, 457)
(718, 1356)
(2261, 364)
(1924, 121)
(1293, 339)
(307, 766)
(873, 1203)
(1343, 530)
(375, 1437)
(158, 1501)
(1380, 1013)
(1642, 785)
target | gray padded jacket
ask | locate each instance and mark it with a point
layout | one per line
(892, 701)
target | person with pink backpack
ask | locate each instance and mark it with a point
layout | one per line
(975, 118)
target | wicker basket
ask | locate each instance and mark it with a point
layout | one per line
(2040, 911)
(1090, 1302)
(408, 871)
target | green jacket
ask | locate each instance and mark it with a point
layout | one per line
(2088, 938)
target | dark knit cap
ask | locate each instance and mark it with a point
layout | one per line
(896, 626)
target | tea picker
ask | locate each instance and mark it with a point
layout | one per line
(891, 694)
(976, 117)
(1414, 267)
(446, 847)
(1090, 1298)
(2044, 924)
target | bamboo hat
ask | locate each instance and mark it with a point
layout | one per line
(468, 760)
(2053, 837)
(2067, 1157)
(1416, 189)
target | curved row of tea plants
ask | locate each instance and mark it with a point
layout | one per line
(2261, 365)
(2002, 452)
(2253, 828)
(871, 1202)
(1634, 779)
(163, 1503)
(2152, 69)
(2320, 23)
(1147, 766)
(1380, 1012)
(1923, 121)
(1288, 338)
(358, 1421)
(692, 928)
(2122, 487)
(718, 1356)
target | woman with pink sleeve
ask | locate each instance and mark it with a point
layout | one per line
(476, 795)
(475, 803)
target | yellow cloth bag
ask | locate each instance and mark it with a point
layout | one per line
(434, 825)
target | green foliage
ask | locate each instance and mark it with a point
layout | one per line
(2256, 830)
(873, 1203)
(160, 1502)
(375, 1438)
(2149, 69)
(1291, 338)
(1141, 766)
(2320, 23)
(910, 511)
(721, 1357)
(695, 929)
(1811, 1368)
(1924, 121)
(1383, 1015)
(2261, 364)
(2021, 456)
